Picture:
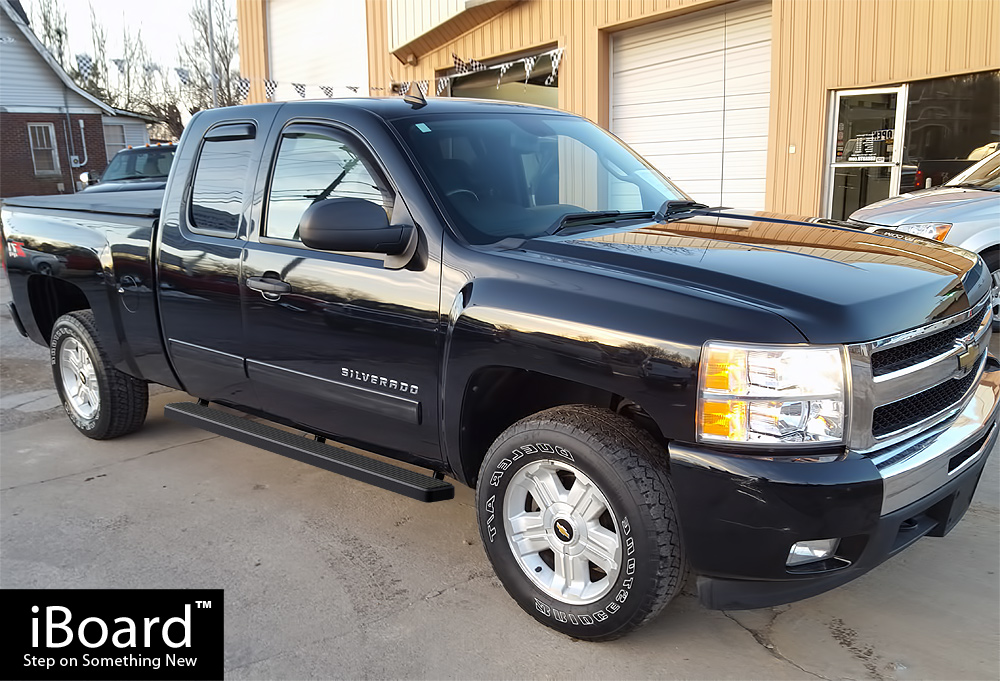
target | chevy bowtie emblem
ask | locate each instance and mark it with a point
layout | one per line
(968, 359)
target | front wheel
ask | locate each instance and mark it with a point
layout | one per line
(576, 512)
(101, 401)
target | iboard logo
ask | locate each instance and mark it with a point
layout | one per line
(110, 634)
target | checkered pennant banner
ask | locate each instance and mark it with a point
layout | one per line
(556, 56)
(242, 87)
(185, 76)
(529, 64)
(460, 66)
(150, 68)
(477, 65)
(404, 87)
(504, 68)
(327, 91)
(352, 88)
(300, 89)
(442, 84)
(269, 87)
(120, 63)
(423, 85)
(84, 64)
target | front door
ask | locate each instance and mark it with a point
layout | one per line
(868, 139)
(347, 345)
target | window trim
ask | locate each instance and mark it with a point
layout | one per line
(53, 150)
(337, 134)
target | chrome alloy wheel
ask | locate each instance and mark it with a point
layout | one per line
(995, 295)
(562, 532)
(79, 379)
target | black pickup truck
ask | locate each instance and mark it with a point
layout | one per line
(639, 387)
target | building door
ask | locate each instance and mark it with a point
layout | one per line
(692, 95)
(866, 159)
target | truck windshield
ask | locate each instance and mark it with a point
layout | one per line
(518, 175)
(136, 164)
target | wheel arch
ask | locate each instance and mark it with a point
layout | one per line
(496, 396)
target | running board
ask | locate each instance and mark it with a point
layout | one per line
(332, 458)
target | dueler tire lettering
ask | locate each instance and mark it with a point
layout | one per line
(123, 399)
(629, 471)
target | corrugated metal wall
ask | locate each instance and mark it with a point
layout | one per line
(825, 45)
(251, 21)
(411, 18)
(817, 46)
(532, 24)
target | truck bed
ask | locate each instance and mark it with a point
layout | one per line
(143, 203)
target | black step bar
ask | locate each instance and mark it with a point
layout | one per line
(330, 457)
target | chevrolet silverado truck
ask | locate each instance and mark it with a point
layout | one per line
(639, 387)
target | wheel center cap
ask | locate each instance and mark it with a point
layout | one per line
(563, 530)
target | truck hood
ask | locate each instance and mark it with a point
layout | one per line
(836, 284)
(942, 204)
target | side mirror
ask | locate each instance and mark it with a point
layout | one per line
(351, 225)
(85, 178)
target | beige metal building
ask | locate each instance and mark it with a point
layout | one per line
(812, 107)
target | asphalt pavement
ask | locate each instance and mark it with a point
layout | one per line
(326, 577)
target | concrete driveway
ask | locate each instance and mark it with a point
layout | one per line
(326, 577)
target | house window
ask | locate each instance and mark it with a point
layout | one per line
(43, 148)
(114, 140)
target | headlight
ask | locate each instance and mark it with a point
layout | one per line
(771, 395)
(929, 230)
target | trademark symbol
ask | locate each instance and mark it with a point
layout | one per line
(203, 605)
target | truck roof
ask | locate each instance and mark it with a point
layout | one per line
(390, 108)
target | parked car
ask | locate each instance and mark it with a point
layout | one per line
(134, 169)
(638, 386)
(964, 212)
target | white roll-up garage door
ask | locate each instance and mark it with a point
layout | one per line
(691, 94)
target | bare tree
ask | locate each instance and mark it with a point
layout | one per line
(195, 56)
(49, 24)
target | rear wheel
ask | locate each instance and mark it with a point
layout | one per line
(101, 401)
(576, 512)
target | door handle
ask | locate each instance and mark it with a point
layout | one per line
(267, 285)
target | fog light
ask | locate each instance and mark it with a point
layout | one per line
(810, 551)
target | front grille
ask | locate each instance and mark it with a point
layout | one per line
(902, 356)
(904, 413)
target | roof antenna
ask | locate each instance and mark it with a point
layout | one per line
(417, 101)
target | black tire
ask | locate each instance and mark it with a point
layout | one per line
(122, 399)
(629, 469)
(992, 259)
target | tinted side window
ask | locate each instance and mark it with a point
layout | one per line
(313, 167)
(217, 196)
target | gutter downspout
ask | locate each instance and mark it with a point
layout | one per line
(83, 140)
(71, 152)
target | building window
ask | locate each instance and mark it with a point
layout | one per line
(43, 148)
(114, 139)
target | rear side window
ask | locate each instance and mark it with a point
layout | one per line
(219, 179)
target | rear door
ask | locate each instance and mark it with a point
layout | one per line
(350, 347)
(198, 263)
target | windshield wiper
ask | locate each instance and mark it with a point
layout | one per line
(973, 185)
(671, 208)
(595, 217)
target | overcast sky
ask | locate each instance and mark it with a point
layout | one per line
(163, 24)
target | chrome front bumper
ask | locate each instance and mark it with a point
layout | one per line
(915, 468)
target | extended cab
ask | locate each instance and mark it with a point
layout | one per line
(639, 387)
